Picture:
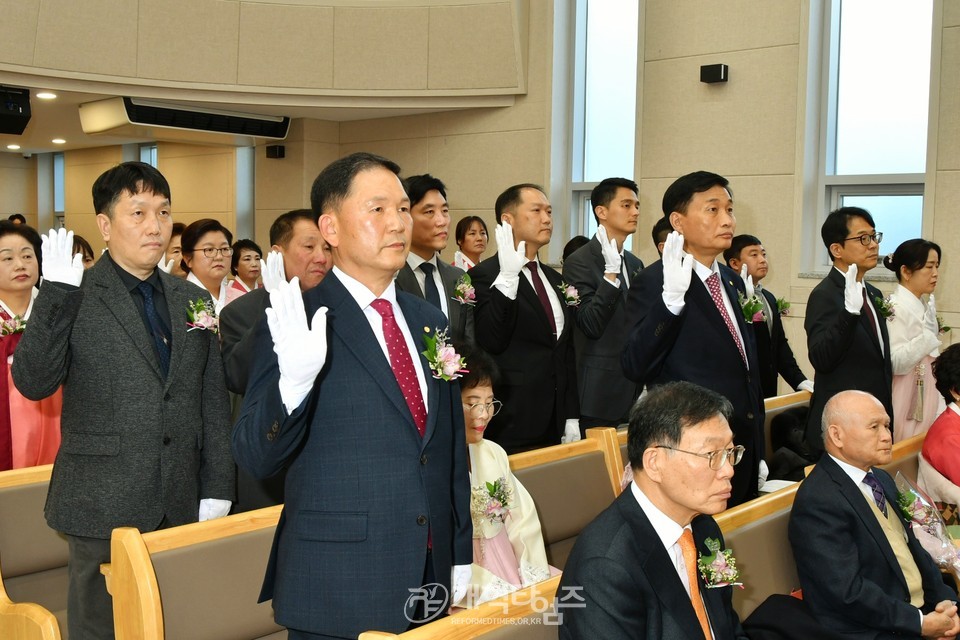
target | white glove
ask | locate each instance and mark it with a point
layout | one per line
(747, 281)
(764, 472)
(460, 577)
(571, 431)
(511, 259)
(611, 255)
(272, 271)
(301, 350)
(677, 269)
(165, 265)
(930, 317)
(212, 508)
(60, 264)
(852, 291)
(806, 385)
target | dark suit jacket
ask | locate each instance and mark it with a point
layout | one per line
(605, 393)
(136, 448)
(461, 315)
(696, 346)
(238, 323)
(629, 588)
(844, 352)
(850, 577)
(774, 353)
(538, 375)
(363, 488)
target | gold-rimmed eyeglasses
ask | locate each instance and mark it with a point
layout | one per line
(715, 459)
(478, 409)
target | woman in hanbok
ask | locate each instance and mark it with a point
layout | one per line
(206, 259)
(471, 235)
(508, 549)
(245, 266)
(29, 430)
(914, 337)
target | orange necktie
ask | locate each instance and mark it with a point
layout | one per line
(689, 549)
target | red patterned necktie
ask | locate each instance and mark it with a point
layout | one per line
(713, 285)
(542, 294)
(402, 364)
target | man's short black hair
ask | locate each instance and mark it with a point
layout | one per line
(281, 231)
(679, 194)
(603, 193)
(334, 182)
(737, 245)
(511, 197)
(127, 177)
(417, 187)
(837, 225)
(661, 230)
(661, 416)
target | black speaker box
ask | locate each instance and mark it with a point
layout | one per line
(14, 110)
(711, 73)
(276, 151)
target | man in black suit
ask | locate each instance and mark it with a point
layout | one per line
(862, 570)
(692, 328)
(633, 571)
(602, 271)
(425, 275)
(847, 341)
(525, 320)
(747, 257)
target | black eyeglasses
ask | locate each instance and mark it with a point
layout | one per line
(210, 252)
(715, 459)
(478, 409)
(865, 240)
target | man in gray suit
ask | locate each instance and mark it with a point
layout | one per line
(424, 275)
(602, 270)
(146, 421)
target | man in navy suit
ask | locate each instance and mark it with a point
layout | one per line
(862, 570)
(747, 257)
(377, 515)
(692, 328)
(632, 573)
(525, 320)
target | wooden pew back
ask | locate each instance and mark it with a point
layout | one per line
(33, 558)
(906, 458)
(775, 406)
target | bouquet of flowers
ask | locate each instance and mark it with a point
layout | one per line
(927, 524)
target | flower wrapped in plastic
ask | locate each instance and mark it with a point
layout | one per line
(927, 524)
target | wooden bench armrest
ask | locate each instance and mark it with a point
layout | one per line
(137, 612)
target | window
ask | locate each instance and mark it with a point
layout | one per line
(873, 153)
(148, 154)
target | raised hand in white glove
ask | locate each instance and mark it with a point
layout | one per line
(511, 260)
(677, 269)
(459, 581)
(762, 478)
(747, 281)
(806, 385)
(272, 271)
(611, 255)
(212, 508)
(60, 264)
(852, 291)
(571, 431)
(930, 317)
(301, 350)
(165, 265)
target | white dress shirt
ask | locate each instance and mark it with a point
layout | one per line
(415, 261)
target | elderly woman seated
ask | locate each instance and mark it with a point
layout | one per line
(939, 473)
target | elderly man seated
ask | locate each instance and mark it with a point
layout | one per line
(862, 570)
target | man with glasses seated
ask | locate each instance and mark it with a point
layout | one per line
(633, 572)
(847, 341)
(508, 549)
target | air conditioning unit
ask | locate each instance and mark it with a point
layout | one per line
(151, 119)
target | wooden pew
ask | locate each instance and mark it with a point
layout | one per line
(33, 559)
(906, 457)
(198, 580)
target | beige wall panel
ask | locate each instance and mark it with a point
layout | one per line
(366, 58)
(650, 196)
(951, 13)
(697, 27)
(746, 126)
(945, 233)
(18, 30)
(99, 36)
(188, 40)
(948, 153)
(316, 156)
(456, 215)
(85, 225)
(524, 114)
(477, 168)
(473, 46)
(412, 155)
(18, 186)
(279, 180)
(320, 130)
(399, 128)
(261, 227)
(81, 168)
(286, 46)
(202, 181)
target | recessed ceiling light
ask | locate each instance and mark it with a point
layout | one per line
(58, 141)
(46, 95)
(13, 147)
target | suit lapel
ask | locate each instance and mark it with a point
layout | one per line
(632, 266)
(554, 280)
(449, 277)
(530, 296)
(177, 300)
(866, 320)
(717, 611)
(407, 281)
(700, 295)
(416, 322)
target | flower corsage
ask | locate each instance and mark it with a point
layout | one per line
(491, 501)
(445, 363)
(200, 315)
(464, 293)
(783, 307)
(569, 293)
(942, 326)
(751, 307)
(885, 307)
(719, 569)
(16, 324)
